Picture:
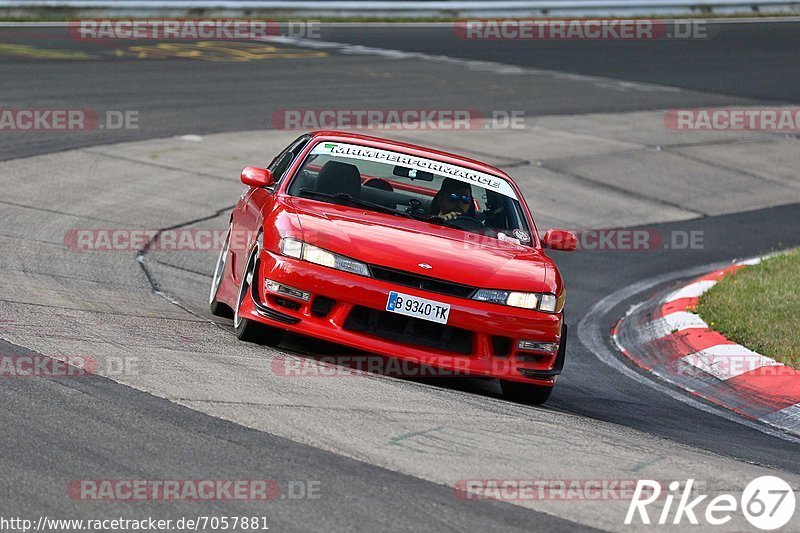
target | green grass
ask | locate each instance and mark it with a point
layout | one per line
(759, 307)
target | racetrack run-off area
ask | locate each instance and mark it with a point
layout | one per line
(666, 336)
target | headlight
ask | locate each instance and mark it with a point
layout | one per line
(314, 254)
(526, 300)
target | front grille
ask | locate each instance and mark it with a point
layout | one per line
(321, 306)
(409, 330)
(407, 279)
(289, 304)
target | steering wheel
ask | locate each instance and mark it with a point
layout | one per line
(469, 223)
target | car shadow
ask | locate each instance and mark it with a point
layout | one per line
(349, 360)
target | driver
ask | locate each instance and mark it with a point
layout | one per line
(453, 199)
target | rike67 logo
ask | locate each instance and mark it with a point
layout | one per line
(768, 503)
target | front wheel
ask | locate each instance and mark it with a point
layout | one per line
(525, 392)
(218, 308)
(250, 330)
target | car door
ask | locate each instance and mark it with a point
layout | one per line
(256, 203)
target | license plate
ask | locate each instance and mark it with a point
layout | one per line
(405, 304)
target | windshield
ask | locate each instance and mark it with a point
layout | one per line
(410, 186)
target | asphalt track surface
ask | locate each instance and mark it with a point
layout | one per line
(740, 64)
(100, 426)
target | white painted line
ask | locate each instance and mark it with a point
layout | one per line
(726, 361)
(475, 65)
(750, 262)
(786, 417)
(693, 290)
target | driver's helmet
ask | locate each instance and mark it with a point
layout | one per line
(452, 186)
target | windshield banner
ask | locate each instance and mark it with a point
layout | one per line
(472, 177)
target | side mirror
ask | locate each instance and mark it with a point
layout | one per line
(257, 177)
(560, 239)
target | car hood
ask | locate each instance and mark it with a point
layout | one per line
(403, 244)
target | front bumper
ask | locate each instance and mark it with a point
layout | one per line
(493, 329)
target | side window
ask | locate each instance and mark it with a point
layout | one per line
(281, 163)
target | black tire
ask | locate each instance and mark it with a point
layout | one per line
(258, 333)
(221, 310)
(218, 308)
(525, 392)
(249, 330)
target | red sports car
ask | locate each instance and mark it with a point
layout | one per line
(396, 250)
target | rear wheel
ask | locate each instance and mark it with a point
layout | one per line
(219, 308)
(525, 392)
(250, 330)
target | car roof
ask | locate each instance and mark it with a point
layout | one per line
(413, 149)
